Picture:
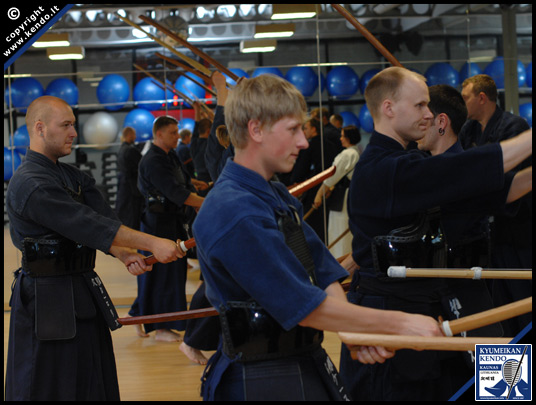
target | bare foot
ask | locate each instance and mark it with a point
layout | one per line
(140, 332)
(193, 354)
(166, 335)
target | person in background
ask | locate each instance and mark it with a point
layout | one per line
(171, 203)
(336, 120)
(336, 188)
(183, 151)
(511, 230)
(129, 203)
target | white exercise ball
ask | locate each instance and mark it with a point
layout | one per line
(100, 129)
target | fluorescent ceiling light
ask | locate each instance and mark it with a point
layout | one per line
(51, 40)
(292, 11)
(274, 30)
(263, 45)
(70, 52)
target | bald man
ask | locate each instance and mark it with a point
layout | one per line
(60, 346)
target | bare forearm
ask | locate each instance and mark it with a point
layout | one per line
(338, 315)
(194, 200)
(516, 150)
(127, 237)
(521, 185)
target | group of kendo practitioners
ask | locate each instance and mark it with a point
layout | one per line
(438, 162)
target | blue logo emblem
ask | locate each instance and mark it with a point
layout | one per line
(503, 372)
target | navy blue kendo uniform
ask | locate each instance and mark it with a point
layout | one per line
(165, 184)
(308, 164)
(129, 203)
(60, 346)
(215, 154)
(262, 290)
(511, 231)
(390, 190)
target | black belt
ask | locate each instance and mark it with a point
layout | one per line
(56, 257)
(251, 334)
(466, 255)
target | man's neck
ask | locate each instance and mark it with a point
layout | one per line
(486, 116)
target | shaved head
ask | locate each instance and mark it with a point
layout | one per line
(50, 122)
(42, 109)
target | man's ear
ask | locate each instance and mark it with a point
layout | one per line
(443, 120)
(387, 108)
(39, 128)
(255, 130)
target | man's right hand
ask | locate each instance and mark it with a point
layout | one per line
(166, 251)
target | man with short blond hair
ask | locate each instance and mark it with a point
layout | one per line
(272, 279)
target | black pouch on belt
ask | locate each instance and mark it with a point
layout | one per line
(54, 308)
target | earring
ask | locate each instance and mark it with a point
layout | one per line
(441, 131)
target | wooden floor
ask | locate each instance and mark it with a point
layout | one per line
(147, 370)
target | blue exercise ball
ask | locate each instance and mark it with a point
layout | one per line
(113, 89)
(187, 123)
(267, 71)
(442, 73)
(304, 78)
(365, 119)
(189, 88)
(469, 69)
(21, 140)
(495, 69)
(142, 121)
(23, 91)
(342, 82)
(12, 160)
(349, 118)
(147, 90)
(525, 110)
(64, 89)
(365, 78)
(237, 71)
(528, 72)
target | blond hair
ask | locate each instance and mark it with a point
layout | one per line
(266, 98)
(386, 85)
